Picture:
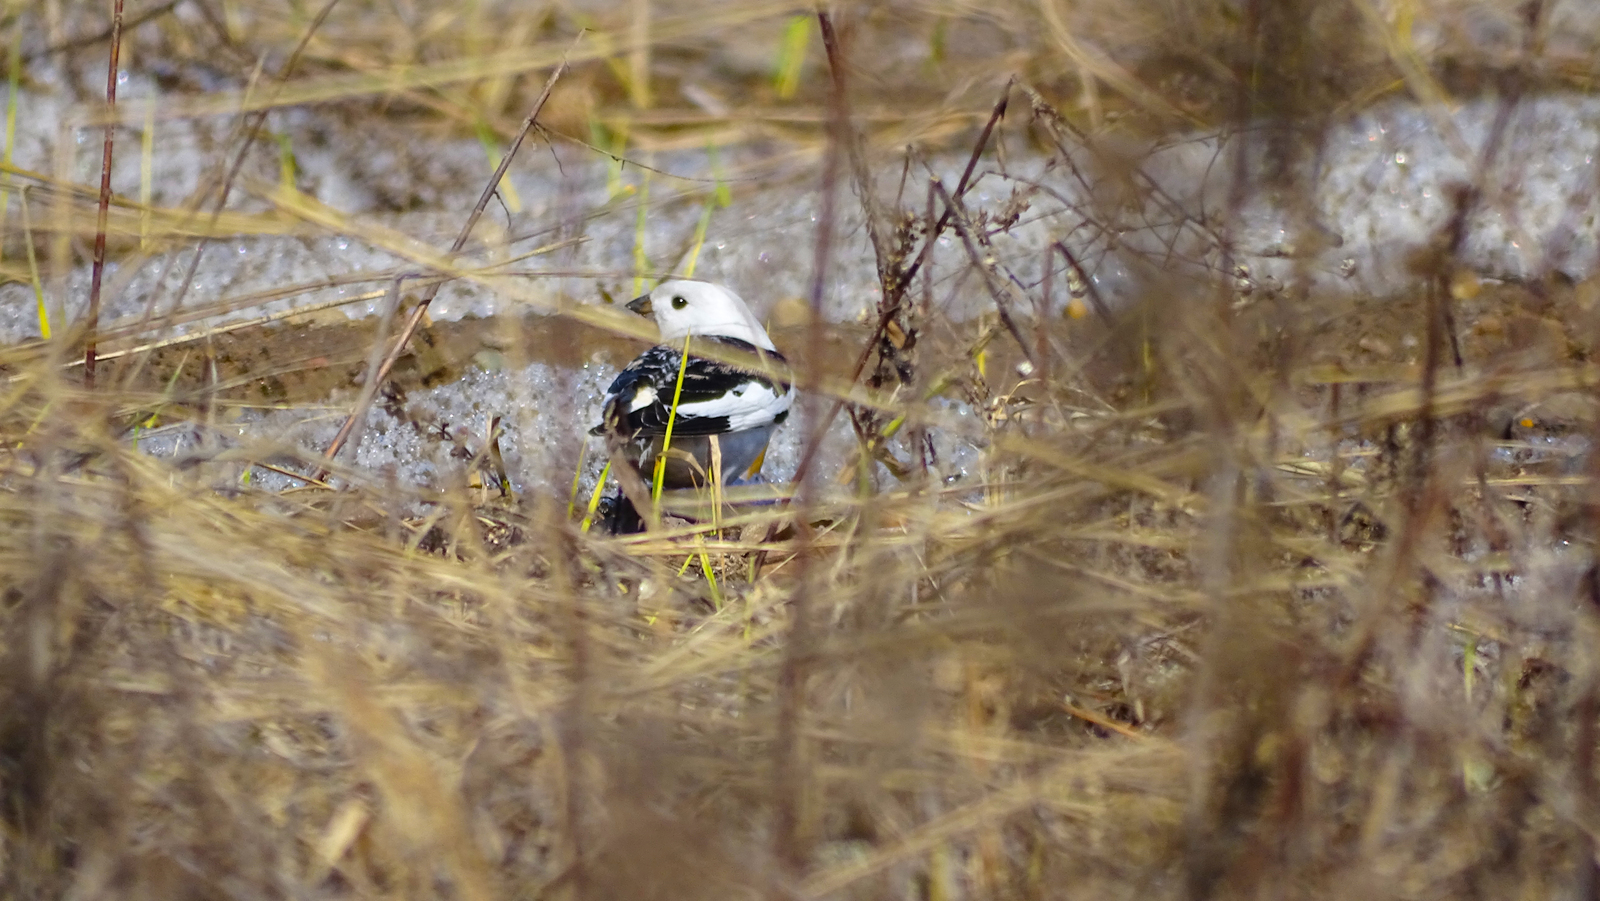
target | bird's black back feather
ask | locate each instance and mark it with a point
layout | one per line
(703, 381)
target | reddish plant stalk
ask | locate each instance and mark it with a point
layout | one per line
(97, 273)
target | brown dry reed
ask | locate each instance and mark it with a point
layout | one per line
(1247, 598)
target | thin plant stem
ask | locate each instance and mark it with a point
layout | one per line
(415, 319)
(97, 271)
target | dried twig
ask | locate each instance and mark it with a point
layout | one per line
(877, 227)
(964, 182)
(421, 309)
(788, 748)
(888, 313)
(1003, 290)
(369, 387)
(92, 320)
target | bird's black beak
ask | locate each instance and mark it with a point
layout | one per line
(641, 305)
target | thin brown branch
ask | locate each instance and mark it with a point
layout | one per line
(1003, 290)
(369, 388)
(890, 310)
(963, 183)
(97, 273)
(789, 749)
(877, 226)
(415, 319)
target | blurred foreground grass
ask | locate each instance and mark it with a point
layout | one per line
(1254, 594)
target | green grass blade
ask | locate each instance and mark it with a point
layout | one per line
(672, 418)
(577, 476)
(699, 238)
(594, 498)
(791, 56)
(33, 268)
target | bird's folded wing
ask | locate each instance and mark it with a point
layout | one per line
(715, 398)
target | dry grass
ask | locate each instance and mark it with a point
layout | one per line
(1245, 601)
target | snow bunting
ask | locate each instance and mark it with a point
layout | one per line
(735, 408)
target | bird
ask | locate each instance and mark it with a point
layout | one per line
(736, 409)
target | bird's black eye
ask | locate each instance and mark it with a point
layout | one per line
(679, 303)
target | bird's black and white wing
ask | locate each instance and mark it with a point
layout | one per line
(716, 398)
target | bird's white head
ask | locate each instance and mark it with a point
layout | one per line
(682, 308)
